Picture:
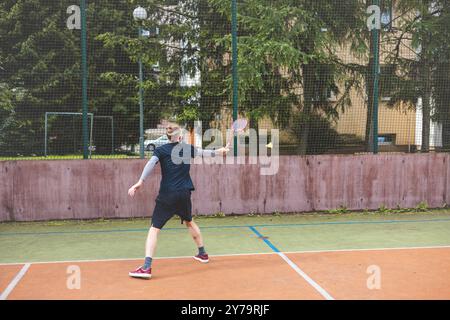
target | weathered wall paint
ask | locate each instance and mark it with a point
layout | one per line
(77, 189)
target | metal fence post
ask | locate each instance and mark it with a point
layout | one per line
(84, 79)
(376, 80)
(235, 66)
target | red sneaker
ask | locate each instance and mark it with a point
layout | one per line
(141, 273)
(203, 258)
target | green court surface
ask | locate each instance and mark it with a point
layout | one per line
(124, 239)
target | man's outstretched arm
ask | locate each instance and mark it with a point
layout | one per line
(210, 153)
(145, 174)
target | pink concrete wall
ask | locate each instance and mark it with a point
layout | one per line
(76, 189)
(6, 190)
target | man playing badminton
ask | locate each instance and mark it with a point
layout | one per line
(174, 195)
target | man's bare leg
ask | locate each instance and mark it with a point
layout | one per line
(194, 230)
(150, 244)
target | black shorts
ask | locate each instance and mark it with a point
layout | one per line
(170, 204)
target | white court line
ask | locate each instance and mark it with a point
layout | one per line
(138, 258)
(296, 268)
(314, 284)
(14, 282)
(231, 255)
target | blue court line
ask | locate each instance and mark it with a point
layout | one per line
(231, 227)
(270, 244)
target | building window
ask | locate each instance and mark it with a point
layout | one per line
(386, 139)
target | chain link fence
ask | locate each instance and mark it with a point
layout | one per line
(307, 68)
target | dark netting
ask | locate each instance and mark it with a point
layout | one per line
(305, 68)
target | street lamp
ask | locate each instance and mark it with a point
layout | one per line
(140, 14)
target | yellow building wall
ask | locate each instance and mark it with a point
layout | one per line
(398, 121)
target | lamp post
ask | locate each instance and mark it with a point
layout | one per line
(376, 80)
(140, 14)
(234, 45)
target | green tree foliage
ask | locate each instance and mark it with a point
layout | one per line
(184, 49)
(39, 69)
(288, 59)
(288, 64)
(422, 27)
(8, 123)
(283, 45)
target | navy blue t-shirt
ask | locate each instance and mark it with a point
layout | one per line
(175, 161)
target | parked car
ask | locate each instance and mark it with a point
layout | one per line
(151, 145)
